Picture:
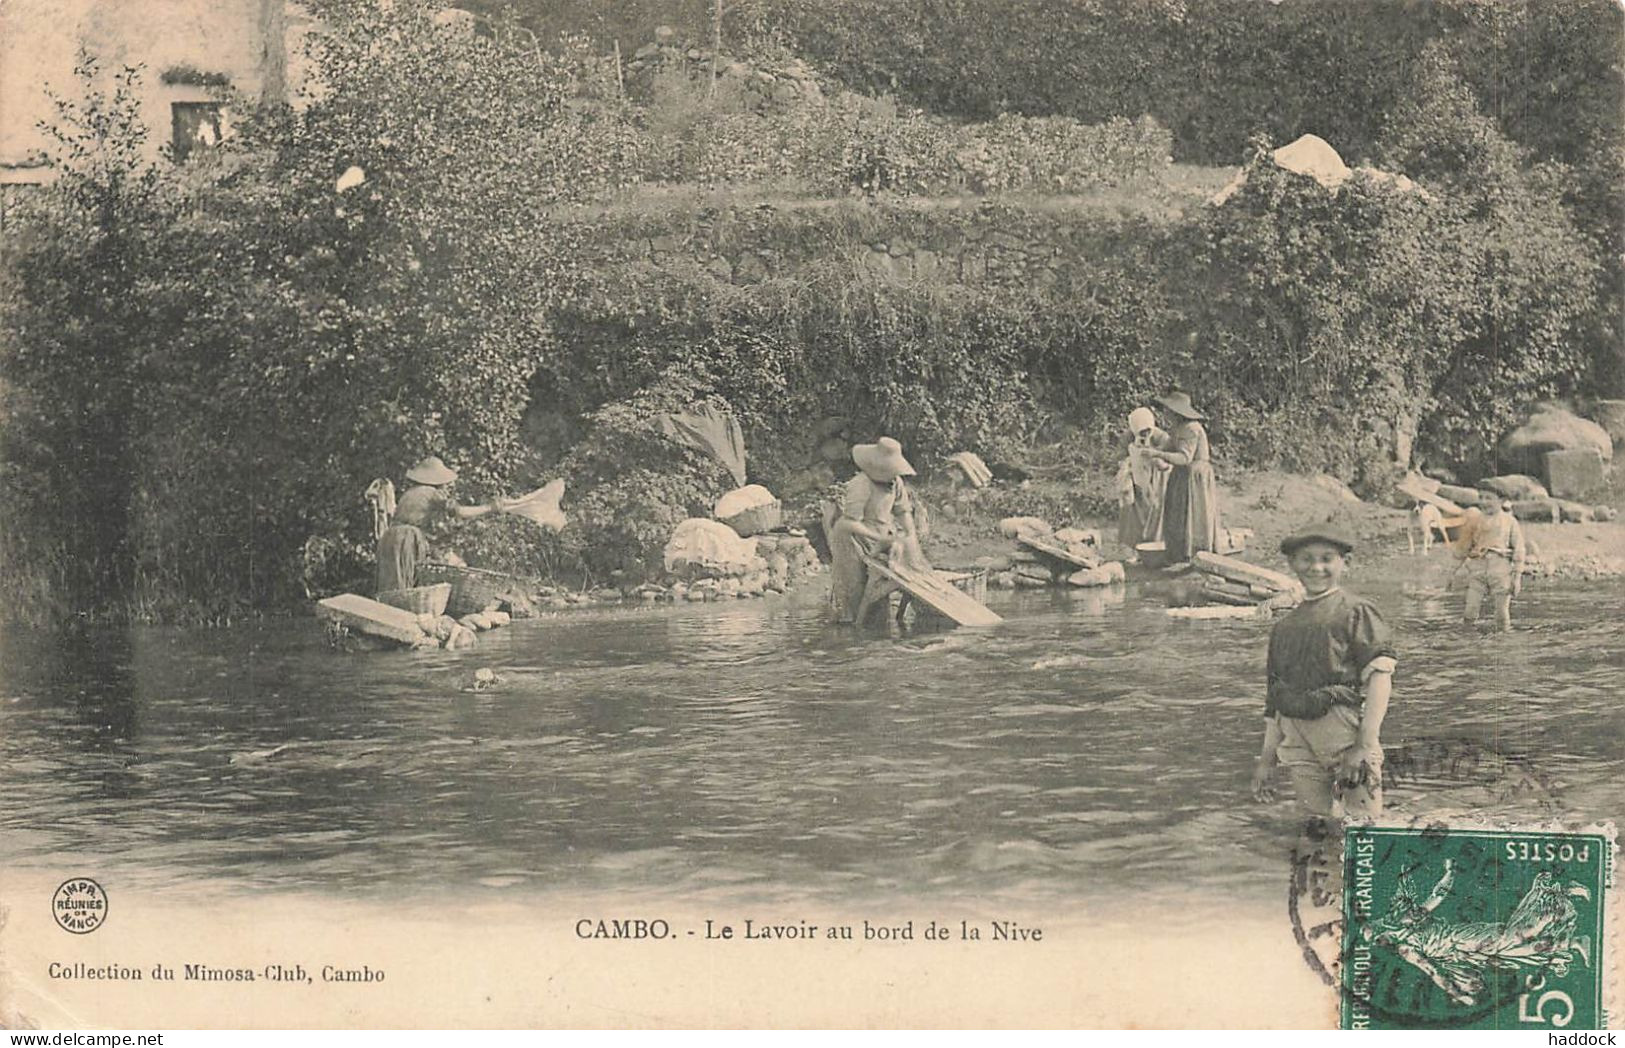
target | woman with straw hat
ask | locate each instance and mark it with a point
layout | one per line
(872, 505)
(1190, 507)
(403, 545)
(1141, 481)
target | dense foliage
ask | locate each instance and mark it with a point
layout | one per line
(262, 342)
(204, 364)
(1548, 75)
(849, 142)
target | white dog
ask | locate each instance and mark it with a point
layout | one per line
(1426, 518)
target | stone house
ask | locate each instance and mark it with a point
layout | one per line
(186, 50)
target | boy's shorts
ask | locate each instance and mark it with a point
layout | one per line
(1321, 743)
(1492, 571)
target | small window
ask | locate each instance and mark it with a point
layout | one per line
(196, 124)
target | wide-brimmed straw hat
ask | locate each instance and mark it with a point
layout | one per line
(884, 458)
(1179, 402)
(1328, 531)
(1140, 420)
(431, 471)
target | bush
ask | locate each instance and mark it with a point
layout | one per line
(853, 143)
(256, 344)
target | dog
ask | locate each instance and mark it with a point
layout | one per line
(1426, 518)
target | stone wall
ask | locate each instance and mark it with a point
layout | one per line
(1041, 243)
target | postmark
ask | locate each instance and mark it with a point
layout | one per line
(1474, 928)
(1430, 784)
(79, 905)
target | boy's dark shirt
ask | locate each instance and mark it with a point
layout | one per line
(1325, 640)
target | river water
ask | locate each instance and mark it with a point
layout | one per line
(1089, 746)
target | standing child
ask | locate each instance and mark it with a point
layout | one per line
(1331, 664)
(1492, 551)
(1141, 481)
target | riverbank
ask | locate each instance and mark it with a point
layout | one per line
(1272, 504)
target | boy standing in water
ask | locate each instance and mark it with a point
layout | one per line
(1492, 551)
(1331, 665)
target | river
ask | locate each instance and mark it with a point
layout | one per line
(1089, 746)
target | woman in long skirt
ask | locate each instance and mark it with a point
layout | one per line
(1190, 506)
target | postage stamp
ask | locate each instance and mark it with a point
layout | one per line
(1475, 928)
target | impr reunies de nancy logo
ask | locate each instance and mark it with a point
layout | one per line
(79, 905)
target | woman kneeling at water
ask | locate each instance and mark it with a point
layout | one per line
(876, 516)
(403, 545)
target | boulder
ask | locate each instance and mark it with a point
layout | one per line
(1101, 575)
(1544, 510)
(1313, 156)
(1035, 572)
(739, 500)
(1552, 428)
(1574, 472)
(1516, 486)
(1575, 512)
(516, 605)
(708, 547)
(1458, 494)
(1010, 527)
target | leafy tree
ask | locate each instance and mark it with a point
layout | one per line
(74, 348)
(1534, 303)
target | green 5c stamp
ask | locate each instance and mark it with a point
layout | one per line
(1471, 929)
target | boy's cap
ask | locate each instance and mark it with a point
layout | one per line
(1329, 532)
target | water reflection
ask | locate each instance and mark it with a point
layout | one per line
(1087, 741)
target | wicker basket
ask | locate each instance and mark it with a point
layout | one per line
(472, 589)
(757, 519)
(419, 600)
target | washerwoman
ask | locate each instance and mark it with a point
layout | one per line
(873, 505)
(1190, 506)
(403, 545)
